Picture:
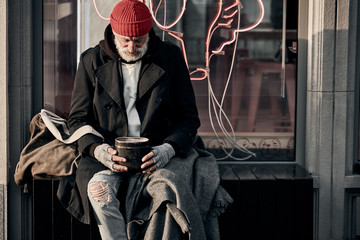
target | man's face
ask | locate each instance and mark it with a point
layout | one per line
(131, 48)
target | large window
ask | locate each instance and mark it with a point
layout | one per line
(241, 57)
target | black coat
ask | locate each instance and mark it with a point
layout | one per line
(165, 103)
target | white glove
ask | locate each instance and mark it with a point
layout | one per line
(102, 155)
(162, 154)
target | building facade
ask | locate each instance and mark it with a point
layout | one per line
(327, 110)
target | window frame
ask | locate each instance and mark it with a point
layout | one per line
(357, 98)
(300, 106)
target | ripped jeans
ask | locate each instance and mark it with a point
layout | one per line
(102, 192)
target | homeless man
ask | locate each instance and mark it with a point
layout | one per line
(133, 84)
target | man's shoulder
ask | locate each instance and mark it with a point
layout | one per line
(91, 52)
(93, 56)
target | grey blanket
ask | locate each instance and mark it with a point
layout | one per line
(182, 199)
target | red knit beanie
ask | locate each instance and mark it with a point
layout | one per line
(131, 18)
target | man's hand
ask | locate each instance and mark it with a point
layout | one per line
(107, 156)
(148, 165)
(157, 158)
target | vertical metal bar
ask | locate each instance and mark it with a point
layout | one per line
(283, 50)
(357, 86)
(163, 36)
(79, 38)
(356, 210)
(301, 81)
(56, 53)
(37, 38)
(42, 209)
(61, 218)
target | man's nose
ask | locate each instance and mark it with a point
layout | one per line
(131, 47)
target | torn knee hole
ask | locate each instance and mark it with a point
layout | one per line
(99, 191)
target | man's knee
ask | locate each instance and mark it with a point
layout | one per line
(99, 191)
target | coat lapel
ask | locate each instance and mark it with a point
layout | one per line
(109, 77)
(149, 77)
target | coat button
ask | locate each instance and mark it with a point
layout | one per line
(108, 106)
(158, 99)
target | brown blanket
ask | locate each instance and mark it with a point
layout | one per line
(44, 154)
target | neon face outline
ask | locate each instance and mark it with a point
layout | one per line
(98, 13)
(163, 27)
(254, 25)
(211, 29)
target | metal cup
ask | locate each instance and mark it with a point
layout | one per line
(133, 149)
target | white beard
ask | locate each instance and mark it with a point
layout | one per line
(124, 53)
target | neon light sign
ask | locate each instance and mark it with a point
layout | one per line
(211, 30)
(254, 25)
(216, 107)
(163, 27)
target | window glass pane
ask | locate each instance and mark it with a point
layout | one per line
(59, 49)
(243, 77)
(248, 97)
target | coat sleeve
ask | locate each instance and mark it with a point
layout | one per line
(185, 117)
(81, 105)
